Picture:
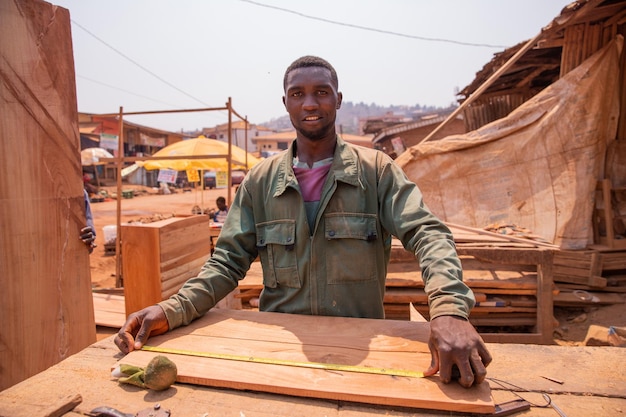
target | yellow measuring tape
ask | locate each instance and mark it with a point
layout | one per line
(286, 362)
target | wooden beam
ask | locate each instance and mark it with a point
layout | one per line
(501, 236)
(485, 85)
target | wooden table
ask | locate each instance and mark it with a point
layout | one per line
(497, 254)
(594, 384)
(541, 259)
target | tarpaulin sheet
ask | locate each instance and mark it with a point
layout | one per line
(536, 168)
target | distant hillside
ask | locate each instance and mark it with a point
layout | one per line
(350, 113)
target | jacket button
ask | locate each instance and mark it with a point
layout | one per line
(331, 233)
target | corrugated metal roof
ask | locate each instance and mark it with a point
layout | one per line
(395, 130)
(539, 67)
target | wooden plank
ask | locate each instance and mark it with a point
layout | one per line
(46, 305)
(177, 241)
(531, 243)
(395, 295)
(612, 261)
(141, 266)
(172, 280)
(564, 286)
(569, 271)
(485, 320)
(512, 284)
(481, 311)
(171, 262)
(513, 300)
(591, 281)
(109, 310)
(569, 298)
(347, 341)
(509, 291)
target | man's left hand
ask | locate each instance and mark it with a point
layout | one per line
(88, 237)
(455, 342)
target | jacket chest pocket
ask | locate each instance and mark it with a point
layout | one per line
(276, 244)
(351, 249)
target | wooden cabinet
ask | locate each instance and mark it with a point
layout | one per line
(158, 257)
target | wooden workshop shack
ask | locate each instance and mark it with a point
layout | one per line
(582, 29)
(545, 154)
(103, 132)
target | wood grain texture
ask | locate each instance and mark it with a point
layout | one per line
(109, 310)
(335, 340)
(45, 302)
(160, 256)
(88, 373)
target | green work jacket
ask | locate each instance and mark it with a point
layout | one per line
(339, 268)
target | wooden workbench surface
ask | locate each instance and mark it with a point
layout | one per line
(594, 384)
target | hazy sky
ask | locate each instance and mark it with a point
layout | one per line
(149, 55)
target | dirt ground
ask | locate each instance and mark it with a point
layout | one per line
(573, 323)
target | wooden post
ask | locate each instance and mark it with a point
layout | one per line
(230, 150)
(120, 161)
(246, 142)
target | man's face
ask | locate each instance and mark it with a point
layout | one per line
(312, 101)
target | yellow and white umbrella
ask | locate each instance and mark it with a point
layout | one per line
(215, 155)
(214, 151)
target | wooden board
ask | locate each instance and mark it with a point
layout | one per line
(336, 340)
(45, 302)
(109, 310)
(585, 298)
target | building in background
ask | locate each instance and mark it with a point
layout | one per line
(238, 134)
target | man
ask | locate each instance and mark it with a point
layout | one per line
(321, 216)
(222, 210)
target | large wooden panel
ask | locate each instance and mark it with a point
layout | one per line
(335, 340)
(45, 302)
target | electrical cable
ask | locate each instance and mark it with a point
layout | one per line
(126, 91)
(387, 32)
(139, 65)
(514, 389)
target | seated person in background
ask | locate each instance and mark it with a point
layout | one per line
(90, 188)
(222, 210)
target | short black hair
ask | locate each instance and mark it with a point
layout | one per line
(308, 61)
(222, 199)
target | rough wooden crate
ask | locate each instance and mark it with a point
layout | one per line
(588, 267)
(158, 257)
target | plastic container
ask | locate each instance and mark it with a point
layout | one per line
(110, 234)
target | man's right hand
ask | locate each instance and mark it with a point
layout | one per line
(139, 326)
